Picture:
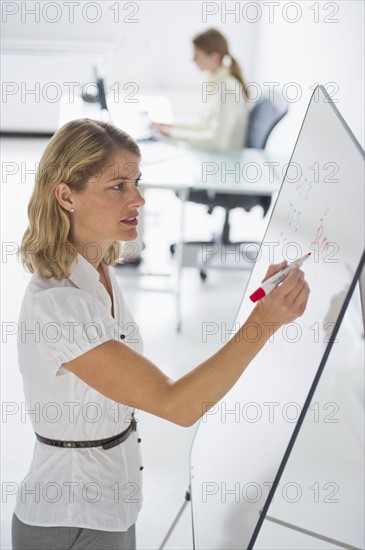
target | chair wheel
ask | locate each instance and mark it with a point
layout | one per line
(203, 275)
(172, 249)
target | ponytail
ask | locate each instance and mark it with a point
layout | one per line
(237, 73)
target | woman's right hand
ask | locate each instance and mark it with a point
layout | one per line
(288, 300)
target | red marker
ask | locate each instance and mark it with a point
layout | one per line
(273, 281)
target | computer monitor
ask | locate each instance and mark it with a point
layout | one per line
(100, 95)
(101, 90)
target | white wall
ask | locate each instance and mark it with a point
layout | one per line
(307, 52)
(148, 43)
(152, 39)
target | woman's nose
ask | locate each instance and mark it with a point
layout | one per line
(137, 198)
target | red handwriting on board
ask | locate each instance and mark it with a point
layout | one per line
(321, 245)
(320, 229)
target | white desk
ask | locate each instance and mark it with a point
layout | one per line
(215, 173)
(238, 172)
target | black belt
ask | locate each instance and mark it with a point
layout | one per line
(107, 443)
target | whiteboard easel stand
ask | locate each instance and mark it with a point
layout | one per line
(174, 523)
(311, 533)
(360, 277)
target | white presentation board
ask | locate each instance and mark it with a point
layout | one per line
(241, 442)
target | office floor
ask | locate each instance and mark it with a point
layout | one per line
(166, 447)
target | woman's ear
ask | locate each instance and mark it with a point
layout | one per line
(63, 195)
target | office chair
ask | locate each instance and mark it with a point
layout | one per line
(263, 118)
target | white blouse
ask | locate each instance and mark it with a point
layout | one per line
(223, 115)
(92, 488)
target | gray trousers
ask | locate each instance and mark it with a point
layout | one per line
(31, 537)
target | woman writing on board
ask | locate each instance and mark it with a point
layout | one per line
(80, 353)
(223, 117)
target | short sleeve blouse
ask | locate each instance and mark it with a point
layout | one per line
(92, 488)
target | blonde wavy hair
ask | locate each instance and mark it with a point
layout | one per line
(75, 153)
(212, 41)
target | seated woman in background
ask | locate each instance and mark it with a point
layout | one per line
(223, 119)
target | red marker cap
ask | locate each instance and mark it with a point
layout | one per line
(257, 295)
